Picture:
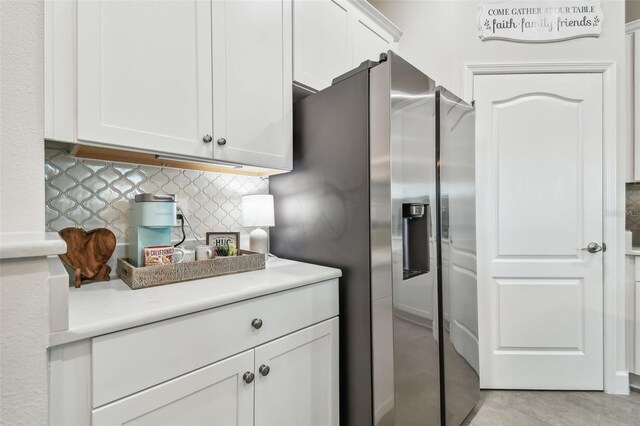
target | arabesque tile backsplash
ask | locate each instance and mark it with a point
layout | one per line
(95, 194)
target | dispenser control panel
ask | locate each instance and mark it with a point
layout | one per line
(412, 210)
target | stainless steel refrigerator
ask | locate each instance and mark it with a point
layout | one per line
(383, 188)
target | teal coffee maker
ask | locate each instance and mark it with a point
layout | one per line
(152, 217)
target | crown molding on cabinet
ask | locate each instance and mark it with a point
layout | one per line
(375, 15)
(632, 26)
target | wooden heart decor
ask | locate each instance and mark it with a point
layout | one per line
(88, 253)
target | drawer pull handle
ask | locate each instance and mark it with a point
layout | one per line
(256, 323)
(248, 377)
(264, 370)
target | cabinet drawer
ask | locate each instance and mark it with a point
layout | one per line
(129, 361)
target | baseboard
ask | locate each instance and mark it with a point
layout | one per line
(621, 384)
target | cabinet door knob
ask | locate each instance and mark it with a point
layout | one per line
(248, 377)
(256, 323)
(264, 370)
(222, 141)
(207, 138)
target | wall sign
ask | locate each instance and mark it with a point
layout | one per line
(540, 21)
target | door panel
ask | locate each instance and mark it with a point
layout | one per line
(532, 149)
(301, 387)
(252, 82)
(213, 395)
(144, 75)
(539, 145)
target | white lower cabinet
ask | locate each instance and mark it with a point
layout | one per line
(268, 360)
(214, 395)
(289, 381)
(297, 378)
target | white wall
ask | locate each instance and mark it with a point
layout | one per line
(24, 294)
(441, 37)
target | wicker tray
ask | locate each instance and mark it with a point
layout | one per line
(151, 276)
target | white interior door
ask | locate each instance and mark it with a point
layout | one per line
(539, 203)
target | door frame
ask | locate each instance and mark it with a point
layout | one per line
(616, 375)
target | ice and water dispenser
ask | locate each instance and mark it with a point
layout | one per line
(415, 239)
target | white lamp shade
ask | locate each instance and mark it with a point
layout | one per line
(257, 210)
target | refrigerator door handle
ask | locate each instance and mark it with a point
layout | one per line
(429, 235)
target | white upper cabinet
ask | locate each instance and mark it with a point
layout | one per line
(252, 82)
(369, 40)
(144, 75)
(321, 41)
(199, 79)
(331, 37)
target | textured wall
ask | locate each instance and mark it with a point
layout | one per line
(94, 194)
(22, 119)
(24, 293)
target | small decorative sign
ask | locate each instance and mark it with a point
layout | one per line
(540, 21)
(223, 238)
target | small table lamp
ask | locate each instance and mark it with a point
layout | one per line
(257, 210)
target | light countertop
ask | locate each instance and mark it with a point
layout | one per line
(106, 307)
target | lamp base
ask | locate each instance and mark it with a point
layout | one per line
(259, 241)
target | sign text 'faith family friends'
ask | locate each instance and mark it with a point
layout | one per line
(540, 21)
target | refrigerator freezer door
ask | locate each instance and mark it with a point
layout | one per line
(322, 214)
(456, 130)
(405, 347)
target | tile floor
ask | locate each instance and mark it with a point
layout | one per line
(543, 408)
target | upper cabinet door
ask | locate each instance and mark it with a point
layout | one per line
(321, 49)
(252, 69)
(369, 41)
(144, 75)
(297, 378)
